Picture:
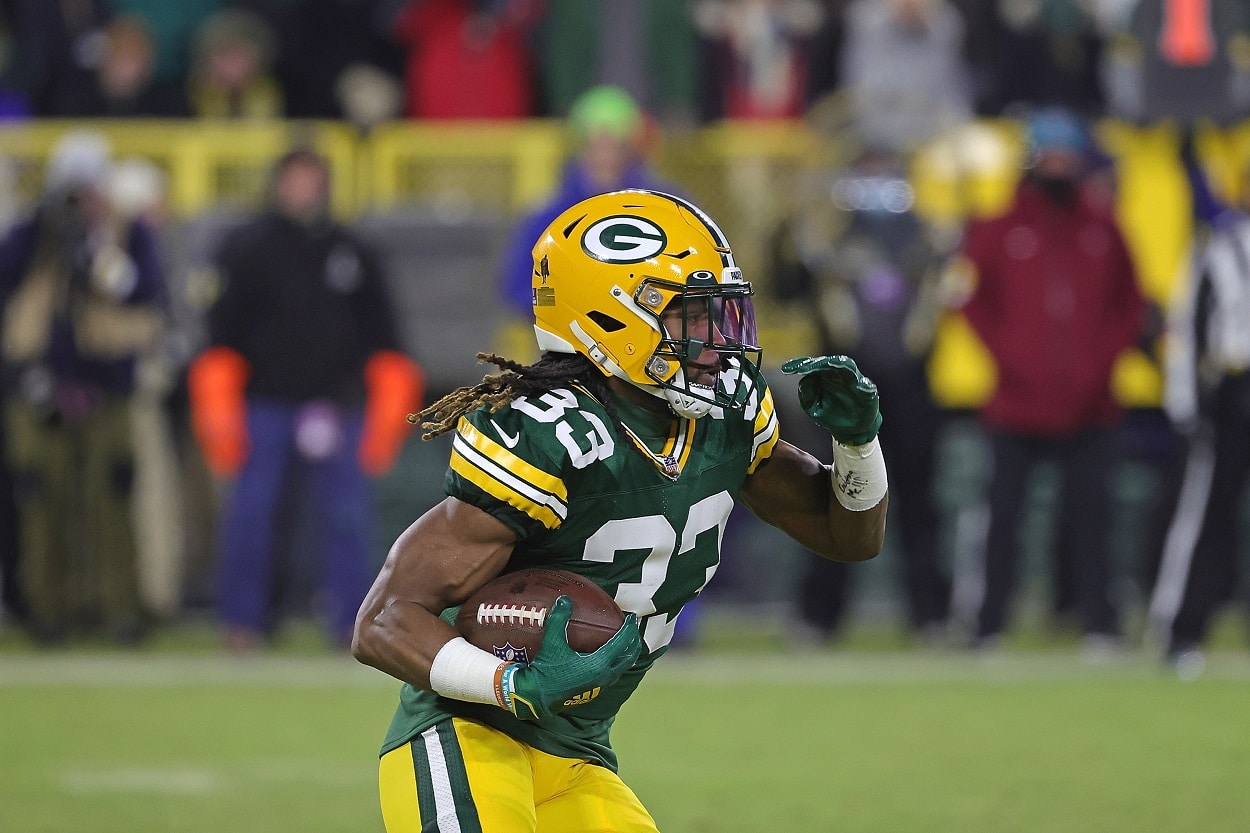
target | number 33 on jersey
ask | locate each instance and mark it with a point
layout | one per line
(642, 515)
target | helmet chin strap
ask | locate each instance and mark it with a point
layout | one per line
(683, 404)
(687, 406)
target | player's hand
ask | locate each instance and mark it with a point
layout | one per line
(841, 399)
(558, 673)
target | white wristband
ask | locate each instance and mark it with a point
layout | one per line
(465, 672)
(858, 475)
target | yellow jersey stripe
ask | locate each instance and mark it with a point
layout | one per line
(488, 482)
(528, 472)
(670, 442)
(507, 478)
(763, 447)
(684, 442)
(767, 433)
(767, 413)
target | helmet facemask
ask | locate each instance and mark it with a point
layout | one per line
(701, 318)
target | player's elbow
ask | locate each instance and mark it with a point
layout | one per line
(365, 636)
(361, 650)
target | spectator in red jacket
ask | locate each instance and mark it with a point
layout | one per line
(1056, 302)
(468, 59)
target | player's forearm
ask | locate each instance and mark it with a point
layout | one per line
(832, 531)
(400, 638)
(857, 501)
(806, 500)
(835, 532)
(855, 536)
(434, 564)
(795, 493)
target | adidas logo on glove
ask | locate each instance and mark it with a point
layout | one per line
(583, 698)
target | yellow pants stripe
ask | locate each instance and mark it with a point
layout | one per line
(397, 782)
(466, 777)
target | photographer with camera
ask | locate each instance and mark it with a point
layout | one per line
(80, 300)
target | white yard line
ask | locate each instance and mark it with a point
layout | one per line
(136, 671)
(826, 668)
(139, 780)
(192, 779)
(805, 668)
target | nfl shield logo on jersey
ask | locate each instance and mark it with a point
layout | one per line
(509, 654)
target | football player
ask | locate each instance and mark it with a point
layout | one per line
(617, 455)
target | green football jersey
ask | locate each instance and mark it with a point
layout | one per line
(641, 515)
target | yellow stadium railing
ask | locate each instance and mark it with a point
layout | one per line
(209, 164)
(497, 165)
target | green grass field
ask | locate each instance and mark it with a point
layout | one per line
(732, 740)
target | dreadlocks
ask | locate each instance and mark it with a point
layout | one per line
(552, 371)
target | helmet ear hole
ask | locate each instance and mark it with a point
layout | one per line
(606, 322)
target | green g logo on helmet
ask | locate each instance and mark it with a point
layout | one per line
(623, 238)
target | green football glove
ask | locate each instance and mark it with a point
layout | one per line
(841, 399)
(558, 673)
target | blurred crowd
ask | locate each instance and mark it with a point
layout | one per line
(294, 374)
(129, 407)
(912, 66)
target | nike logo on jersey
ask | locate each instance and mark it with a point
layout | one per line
(583, 698)
(508, 440)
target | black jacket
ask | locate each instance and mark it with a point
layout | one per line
(306, 306)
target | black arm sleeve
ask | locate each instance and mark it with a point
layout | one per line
(229, 319)
(376, 318)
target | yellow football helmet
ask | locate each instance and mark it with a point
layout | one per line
(607, 269)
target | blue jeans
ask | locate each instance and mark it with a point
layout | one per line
(343, 511)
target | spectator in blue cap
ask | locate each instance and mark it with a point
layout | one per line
(1059, 152)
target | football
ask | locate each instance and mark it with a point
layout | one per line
(506, 616)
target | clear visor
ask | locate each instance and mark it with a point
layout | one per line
(735, 318)
(717, 319)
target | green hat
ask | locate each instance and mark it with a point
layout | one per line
(605, 109)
